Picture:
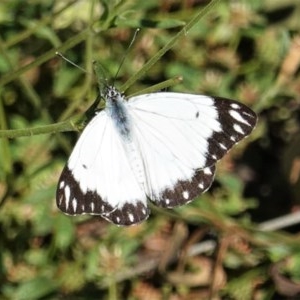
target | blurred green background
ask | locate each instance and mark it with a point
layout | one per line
(214, 248)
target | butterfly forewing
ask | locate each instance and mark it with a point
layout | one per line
(180, 145)
(161, 146)
(198, 129)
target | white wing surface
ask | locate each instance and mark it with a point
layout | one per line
(98, 178)
(181, 137)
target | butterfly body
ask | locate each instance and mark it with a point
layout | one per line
(161, 147)
(117, 111)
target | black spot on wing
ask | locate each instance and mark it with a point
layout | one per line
(72, 201)
(184, 191)
(236, 121)
(129, 214)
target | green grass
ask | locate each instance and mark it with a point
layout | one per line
(244, 50)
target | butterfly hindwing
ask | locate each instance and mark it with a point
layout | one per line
(72, 200)
(184, 192)
(98, 178)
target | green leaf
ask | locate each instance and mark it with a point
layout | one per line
(278, 252)
(65, 79)
(245, 284)
(34, 289)
(294, 267)
(64, 231)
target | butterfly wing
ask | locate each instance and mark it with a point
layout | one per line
(98, 178)
(181, 137)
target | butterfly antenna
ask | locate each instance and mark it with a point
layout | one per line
(126, 53)
(70, 62)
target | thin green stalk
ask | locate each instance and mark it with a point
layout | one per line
(69, 125)
(169, 45)
(24, 84)
(5, 159)
(88, 67)
(112, 290)
(17, 38)
(45, 57)
(160, 86)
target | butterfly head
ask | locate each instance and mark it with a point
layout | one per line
(112, 96)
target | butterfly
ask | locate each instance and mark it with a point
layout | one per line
(160, 146)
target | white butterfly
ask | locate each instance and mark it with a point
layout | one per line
(161, 147)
